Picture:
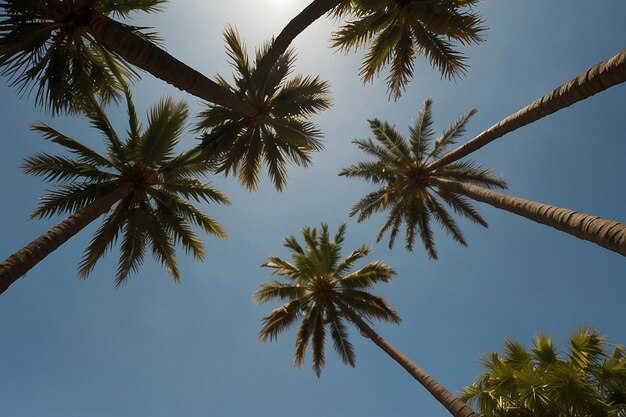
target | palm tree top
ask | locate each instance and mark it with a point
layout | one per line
(318, 286)
(408, 189)
(279, 132)
(588, 379)
(43, 45)
(156, 213)
(398, 30)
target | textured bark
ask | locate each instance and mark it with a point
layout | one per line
(603, 232)
(143, 54)
(452, 403)
(598, 78)
(18, 264)
(297, 25)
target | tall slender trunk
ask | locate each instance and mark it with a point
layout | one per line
(596, 79)
(452, 403)
(18, 264)
(603, 232)
(143, 54)
(297, 25)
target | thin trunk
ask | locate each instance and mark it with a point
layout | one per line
(598, 78)
(297, 25)
(603, 232)
(149, 57)
(452, 403)
(18, 264)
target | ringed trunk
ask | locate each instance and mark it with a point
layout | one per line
(18, 264)
(297, 25)
(149, 57)
(606, 233)
(452, 403)
(596, 79)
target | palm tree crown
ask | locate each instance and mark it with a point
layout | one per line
(43, 44)
(318, 287)
(155, 213)
(587, 381)
(278, 132)
(398, 30)
(407, 189)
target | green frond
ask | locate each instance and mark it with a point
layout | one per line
(282, 267)
(189, 213)
(161, 244)
(104, 239)
(449, 136)
(179, 231)
(402, 63)
(339, 334)
(236, 52)
(70, 198)
(62, 169)
(276, 289)
(84, 153)
(381, 51)
(461, 206)
(166, 122)
(587, 345)
(369, 275)
(194, 189)
(368, 305)
(446, 221)
(279, 320)
(133, 246)
(318, 340)
(440, 52)
(348, 262)
(303, 335)
(391, 139)
(543, 351)
(469, 172)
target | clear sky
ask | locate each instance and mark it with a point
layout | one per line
(71, 348)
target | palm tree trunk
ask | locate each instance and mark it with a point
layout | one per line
(297, 25)
(452, 403)
(603, 232)
(143, 54)
(18, 264)
(596, 79)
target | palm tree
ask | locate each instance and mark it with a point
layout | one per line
(322, 292)
(596, 79)
(140, 181)
(398, 30)
(279, 131)
(69, 48)
(414, 195)
(588, 381)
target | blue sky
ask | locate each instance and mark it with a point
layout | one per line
(73, 348)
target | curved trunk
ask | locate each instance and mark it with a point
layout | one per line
(297, 25)
(18, 264)
(598, 78)
(603, 232)
(149, 57)
(452, 403)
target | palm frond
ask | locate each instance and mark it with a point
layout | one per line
(339, 334)
(279, 320)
